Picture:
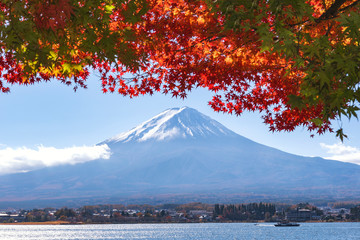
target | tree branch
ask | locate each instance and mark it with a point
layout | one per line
(333, 10)
(350, 6)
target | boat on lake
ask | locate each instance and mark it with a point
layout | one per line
(286, 224)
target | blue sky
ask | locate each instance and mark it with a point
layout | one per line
(50, 117)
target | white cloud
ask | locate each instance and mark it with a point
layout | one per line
(26, 159)
(343, 153)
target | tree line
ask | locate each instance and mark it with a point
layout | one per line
(191, 212)
(246, 212)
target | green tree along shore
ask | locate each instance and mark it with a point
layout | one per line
(188, 213)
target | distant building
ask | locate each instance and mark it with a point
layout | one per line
(4, 217)
(199, 212)
(299, 215)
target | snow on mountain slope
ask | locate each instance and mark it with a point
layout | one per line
(174, 123)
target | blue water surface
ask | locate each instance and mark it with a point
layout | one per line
(310, 231)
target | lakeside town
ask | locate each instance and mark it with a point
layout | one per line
(184, 213)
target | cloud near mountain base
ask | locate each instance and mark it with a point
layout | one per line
(342, 152)
(14, 160)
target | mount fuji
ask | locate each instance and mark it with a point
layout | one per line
(183, 155)
(177, 123)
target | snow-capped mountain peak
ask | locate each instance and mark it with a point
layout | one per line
(174, 123)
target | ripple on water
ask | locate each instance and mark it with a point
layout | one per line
(217, 231)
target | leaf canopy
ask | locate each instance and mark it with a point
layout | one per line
(295, 61)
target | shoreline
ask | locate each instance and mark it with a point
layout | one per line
(83, 223)
(43, 223)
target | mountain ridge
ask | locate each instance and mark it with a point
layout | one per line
(210, 161)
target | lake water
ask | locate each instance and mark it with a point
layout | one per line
(308, 231)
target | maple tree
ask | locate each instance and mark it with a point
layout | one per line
(295, 61)
(62, 39)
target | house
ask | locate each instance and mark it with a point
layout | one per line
(5, 217)
(299, 215)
